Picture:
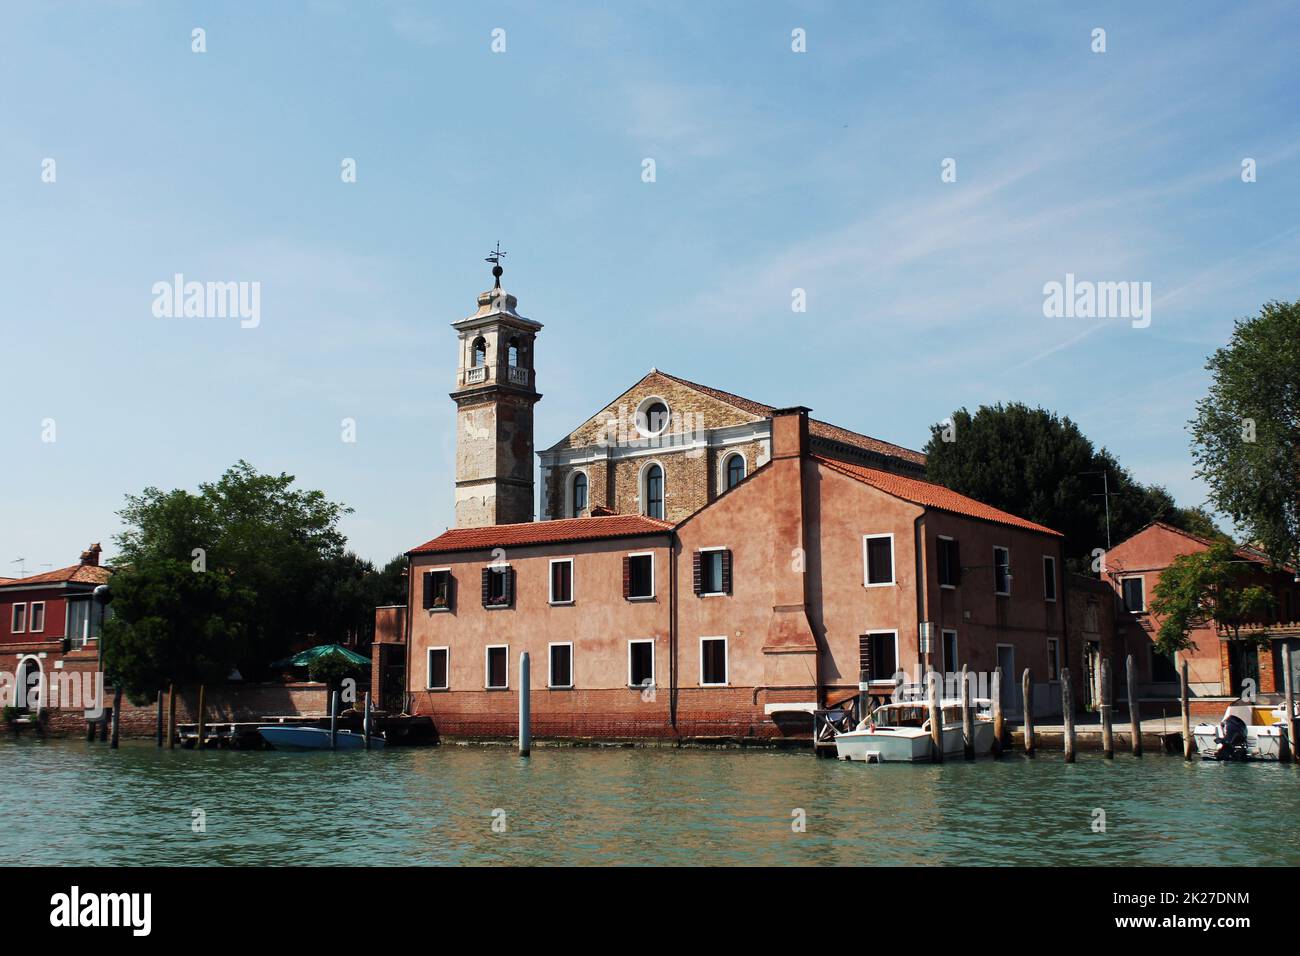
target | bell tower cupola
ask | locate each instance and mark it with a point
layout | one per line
(496, 388)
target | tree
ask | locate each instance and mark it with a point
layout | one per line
(1039, 466)
(1205, 587)
(171, 625)
(1246, 434)
(266, 537)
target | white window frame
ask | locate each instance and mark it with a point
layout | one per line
(1054, 642)
(1141, 579)
(570, 505)
(643, 494)
(871, 631)
(428, 667)
(31, 617)
(866, 561)
(13, 619)
(653, 582)
(641, 640)
(726, 660)
(1055, 583)
(950, 666)
(501, 566)
(435, 610)
(550, 582)
(487, 667)
(722, 473)
(639, 415)
(719, 593)
(1010, 579)
(550, 664)
(942, 586)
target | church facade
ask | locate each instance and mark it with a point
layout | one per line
(702, 565)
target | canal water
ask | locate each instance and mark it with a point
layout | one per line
(71, 802)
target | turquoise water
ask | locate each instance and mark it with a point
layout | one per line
(70, 802)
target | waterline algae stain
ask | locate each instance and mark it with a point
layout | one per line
(485, 805)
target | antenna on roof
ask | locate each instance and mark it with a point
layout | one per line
(22, 566)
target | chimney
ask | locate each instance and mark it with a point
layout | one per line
(91, 555)
(789, 631)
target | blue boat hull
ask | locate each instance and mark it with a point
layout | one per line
(283, 737)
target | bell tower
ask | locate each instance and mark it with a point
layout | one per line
(496, 388)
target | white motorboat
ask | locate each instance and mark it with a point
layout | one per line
(1246, 732)
(294, 737)
(901, 732)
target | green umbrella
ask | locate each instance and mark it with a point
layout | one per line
(305, 658)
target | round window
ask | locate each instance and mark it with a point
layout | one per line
(652, 417)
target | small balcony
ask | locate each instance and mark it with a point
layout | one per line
(517, 375)
(476, 376)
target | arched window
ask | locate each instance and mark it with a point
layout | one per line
(579, 494)
(654, 492)
(479, 355)
(512, 354)
(735, 470)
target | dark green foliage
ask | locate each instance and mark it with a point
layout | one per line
(171, 625)
(1034, 464)
(1255, 394)
(1206, 587)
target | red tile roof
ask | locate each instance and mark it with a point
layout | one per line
(543, 532)
(930, 495)
(1247, 552)
(76, 574)
(817, 428)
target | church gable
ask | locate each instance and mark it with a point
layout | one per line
(691, 409)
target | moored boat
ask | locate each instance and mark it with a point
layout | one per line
(900, 732)
(1246, 732)
(292, 737)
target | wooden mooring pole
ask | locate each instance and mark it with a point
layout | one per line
(1067, 713)
(200, 726)
(334, 720)
(525, 705)
(1288, 696)
(1134, 707)
(936, 717)
(999, 718)
(1188, 745)
(1107, 731)
(365, 721)
(1027, 692)
(158, 730)
(117, 716)
(171, 716)
(967, 718)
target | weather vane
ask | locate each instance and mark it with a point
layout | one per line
(495, 257)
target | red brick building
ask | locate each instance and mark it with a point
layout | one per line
(1219, 665)
(49, 622)
(766, 602)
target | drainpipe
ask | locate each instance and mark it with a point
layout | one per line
(918, 537)
(673, 543)
(410, 601)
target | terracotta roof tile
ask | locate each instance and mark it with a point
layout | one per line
(543, 532)
(818, 428)
(930, 495)
(76, 574)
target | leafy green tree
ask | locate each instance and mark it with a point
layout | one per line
(1201, 588)
(1246, 434)
(171, 625)
(1037, 465)
(270, 539)
(347, 591)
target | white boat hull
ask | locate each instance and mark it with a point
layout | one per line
(1262, 742)
(908, 744)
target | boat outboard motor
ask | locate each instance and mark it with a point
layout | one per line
(1231, 738)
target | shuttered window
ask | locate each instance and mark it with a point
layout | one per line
(437, 668)
(437, 590)
(498, 586)
(638, 576)
(562, 581)
(949, 563)
(711, 571)
(713, 660)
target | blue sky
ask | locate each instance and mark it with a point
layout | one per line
(775, 170)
